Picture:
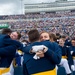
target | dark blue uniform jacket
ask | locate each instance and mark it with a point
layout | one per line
(48, 62)
(7, 50)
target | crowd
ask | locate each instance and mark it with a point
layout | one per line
(60, 22)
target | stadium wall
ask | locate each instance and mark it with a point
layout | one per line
(49, 7)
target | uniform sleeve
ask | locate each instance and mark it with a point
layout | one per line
(54, 54)
(69, 56)
(27, 49)
(9, 41)
(9, 46)
(8, 50)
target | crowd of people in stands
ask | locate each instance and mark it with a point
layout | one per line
(60, 22)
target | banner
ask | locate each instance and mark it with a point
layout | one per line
(4, 26)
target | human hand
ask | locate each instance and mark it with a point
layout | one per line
(72, 68)
(72, 52)
(40, 54)
(37, 48)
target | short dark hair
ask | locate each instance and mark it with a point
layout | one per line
(33, 35)
(6, 31)
(63, 36)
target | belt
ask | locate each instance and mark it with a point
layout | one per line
(4, 70)
(73, 57)
(51, 72)
(65, 57)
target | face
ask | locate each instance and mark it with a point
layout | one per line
(61, 42)
(14, 35)
(73, 42)
(44, 36)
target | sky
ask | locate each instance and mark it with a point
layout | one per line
(14, 7)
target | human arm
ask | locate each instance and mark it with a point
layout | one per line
(38, 50)
(70, 58)
(8, 41)
(8, 50)
(54, 54)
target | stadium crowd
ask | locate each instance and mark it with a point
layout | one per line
(63, 22)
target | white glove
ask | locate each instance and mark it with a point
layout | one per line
(36, 57)
(72, 68)
(38, 48)
(72, 52)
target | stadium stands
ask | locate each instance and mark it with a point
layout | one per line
(63, 22)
